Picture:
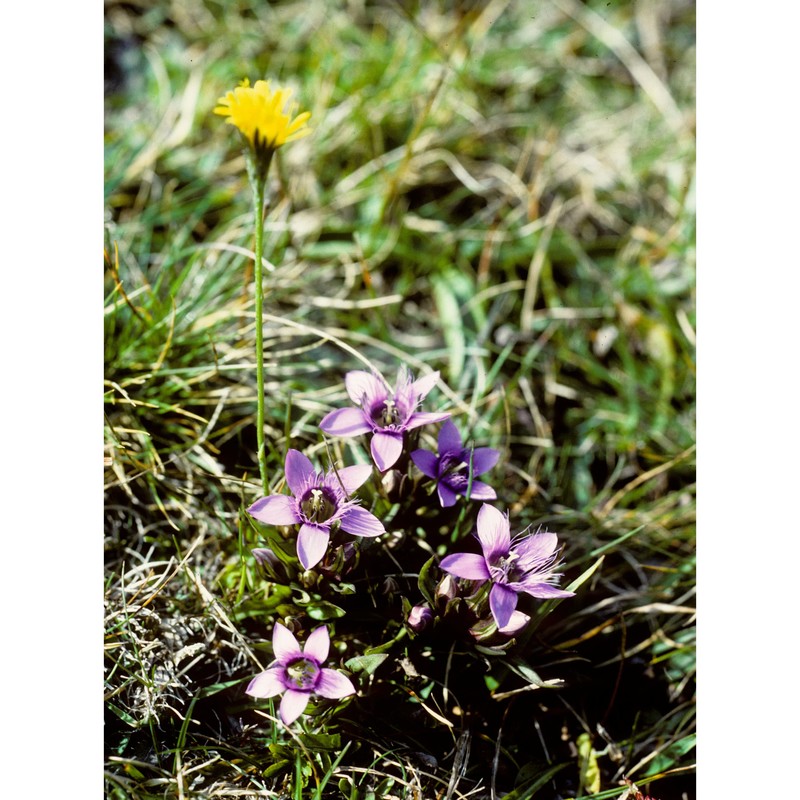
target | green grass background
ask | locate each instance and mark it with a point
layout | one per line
(503, 191)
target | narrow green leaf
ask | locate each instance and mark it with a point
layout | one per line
(425, 581)
(527, 791)
(452, 324)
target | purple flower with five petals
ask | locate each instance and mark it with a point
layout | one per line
(525, 564)
(320, 501)
(385, 412)
(451, 468)
(297, 673)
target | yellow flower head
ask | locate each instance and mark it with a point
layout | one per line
(263, 116)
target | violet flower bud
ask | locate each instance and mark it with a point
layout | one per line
(270, 563)
(419, 618)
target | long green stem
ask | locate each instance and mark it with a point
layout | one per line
(258, 200)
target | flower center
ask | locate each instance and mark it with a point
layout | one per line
(318, 505)
(455, 468)
(385, 413)
(302, 674)
(505, 569)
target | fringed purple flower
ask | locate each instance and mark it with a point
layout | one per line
(298, 673)
(385, 412)
(525, 564)
(451, 469)
(320, 502)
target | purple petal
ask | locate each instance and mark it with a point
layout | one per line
(517, 622)
(284, 645)
(293, 705)
(447, 497)
(426, 462)
(318, 644)
(277, 509)
(424, 418)
(345, 422)
(544, 591)
(297, 469)
(361, 522)
(334, 685)
(466, 565)
(267, 683)
(360, 383)
(449, 439)
(481, 491)
(502, 602)
(537, 547)
(483, 459)
(386, 448)
(312, 542)
(493, 532)
(353, 477)
(423, 385)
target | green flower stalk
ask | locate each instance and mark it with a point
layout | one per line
(265, 119)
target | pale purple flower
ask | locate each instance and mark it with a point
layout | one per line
(385, 412)
(320, 501)
(297, 673)
(451, 468)
(525, 564)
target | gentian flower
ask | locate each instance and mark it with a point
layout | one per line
(451, 468)
(298, 674)
(385, 412)
(525, 564)
(320, 502)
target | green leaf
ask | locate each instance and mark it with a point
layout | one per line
(324, 610)
(426, 583)
(452, 324)
(343, 588)
(274, 769)
(366, 664)
(321, 741)
(589, 769)
(530, 675)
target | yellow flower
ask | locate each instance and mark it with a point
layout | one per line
(263, 116)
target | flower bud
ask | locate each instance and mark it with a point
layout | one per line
(272, 565)
(419, 618)
(447, 589)
(309, 579)
(396, 485)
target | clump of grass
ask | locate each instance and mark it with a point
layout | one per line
(502, 196)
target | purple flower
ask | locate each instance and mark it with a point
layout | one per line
(297, 673)
(523, 565)
(451, 468)
(321, 500)
(385, 412)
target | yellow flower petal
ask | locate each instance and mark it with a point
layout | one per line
(263, 115)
